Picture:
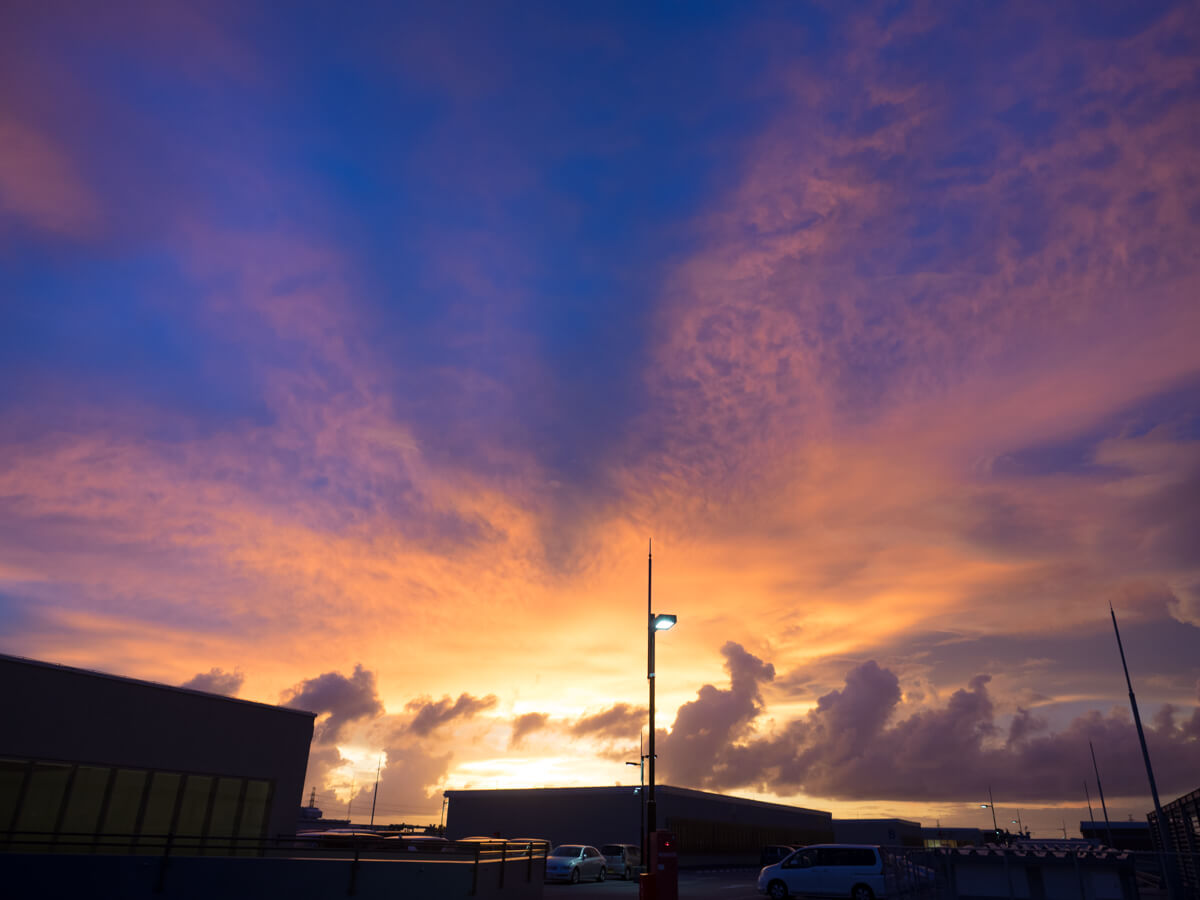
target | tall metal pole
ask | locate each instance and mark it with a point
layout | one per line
(375, 796)
(651, 808)
(1164, 836)
(642, 793)
(992, 807)
(1100, 787)
(1088, 795)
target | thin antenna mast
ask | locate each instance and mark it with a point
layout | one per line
(1088, 794)
(375, 796)
(1103, 805)
(1158, 813)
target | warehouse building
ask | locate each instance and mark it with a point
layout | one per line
(708, 827)
(885, 832)
(85, 753)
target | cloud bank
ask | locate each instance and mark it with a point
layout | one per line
(862, 742)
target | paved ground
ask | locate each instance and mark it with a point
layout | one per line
(726, 884)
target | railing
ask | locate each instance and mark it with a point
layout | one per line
(352, 846)
(932, 874)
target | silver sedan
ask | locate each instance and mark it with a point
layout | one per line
(575, 862)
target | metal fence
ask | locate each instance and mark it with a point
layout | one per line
(526, 857)
(966, 873)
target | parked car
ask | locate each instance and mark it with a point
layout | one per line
(856, 871)
(341, 838)
(773, 853)
(417, 843)
(622, 860)
(575, 862)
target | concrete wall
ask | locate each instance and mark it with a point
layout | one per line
(205, 878)
(72, 715)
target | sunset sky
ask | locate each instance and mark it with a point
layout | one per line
(352, 355)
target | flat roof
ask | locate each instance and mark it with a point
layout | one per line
(91, 673)
(884, 821)
(625, 788)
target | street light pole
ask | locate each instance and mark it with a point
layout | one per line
(991, 804)
(651, 809)
(641, 764)
(660, 622)
(1020, 826)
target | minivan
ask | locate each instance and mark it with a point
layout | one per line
(827, 870)
(622, 860)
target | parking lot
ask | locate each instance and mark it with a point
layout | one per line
(717, 884)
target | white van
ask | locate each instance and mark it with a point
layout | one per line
(856, 871)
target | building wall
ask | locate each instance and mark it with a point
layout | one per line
(954, 837)
(80, 747)
(705, 824)
(885, 832)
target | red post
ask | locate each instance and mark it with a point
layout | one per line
(663, 867)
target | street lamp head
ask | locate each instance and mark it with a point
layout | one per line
(664, 621)
(984, 806)
(633, 764)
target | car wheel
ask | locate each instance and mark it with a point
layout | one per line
(602, 874)
(861, 892)
(777, 890)
(574, 876)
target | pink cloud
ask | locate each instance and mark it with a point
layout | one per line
(39, 183)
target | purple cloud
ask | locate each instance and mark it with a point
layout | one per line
(858, 744)
(616, 722)
(525, 725)
(432, 714)
(216, 681)
(339, 699)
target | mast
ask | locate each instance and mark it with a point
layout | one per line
(375, 796)
(1164, 836)
(1103, 806)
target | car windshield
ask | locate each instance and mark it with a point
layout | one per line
(567, 850)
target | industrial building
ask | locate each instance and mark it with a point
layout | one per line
(885, 832)
(708, 827)
(86, 753)
(942, 837)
